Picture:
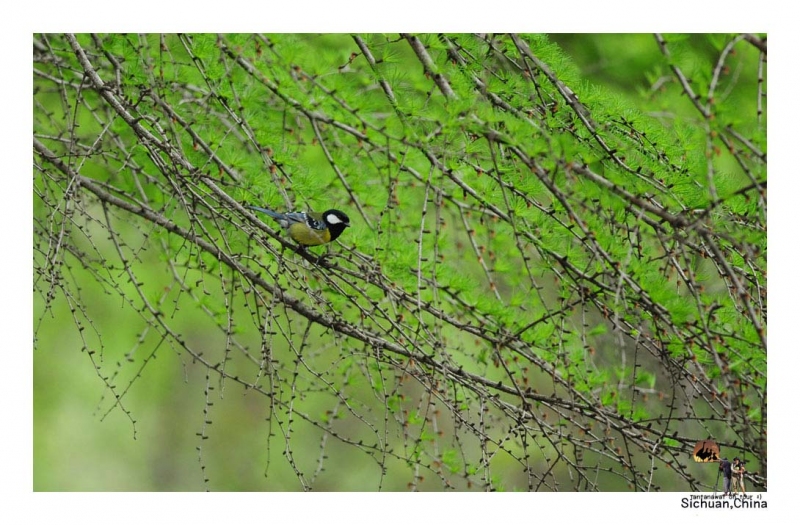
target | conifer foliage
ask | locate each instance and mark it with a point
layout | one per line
(550, 283)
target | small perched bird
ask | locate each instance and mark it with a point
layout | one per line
(310, 229)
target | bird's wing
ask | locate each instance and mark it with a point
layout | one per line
(300, 216)
(315, 220)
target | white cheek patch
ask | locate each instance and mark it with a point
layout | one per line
(332, 219)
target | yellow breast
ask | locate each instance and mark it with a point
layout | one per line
(302, 234)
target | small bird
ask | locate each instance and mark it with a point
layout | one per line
(310, 229)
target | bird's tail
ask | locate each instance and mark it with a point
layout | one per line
(273, 214)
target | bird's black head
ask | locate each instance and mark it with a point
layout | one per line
(336, 221)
